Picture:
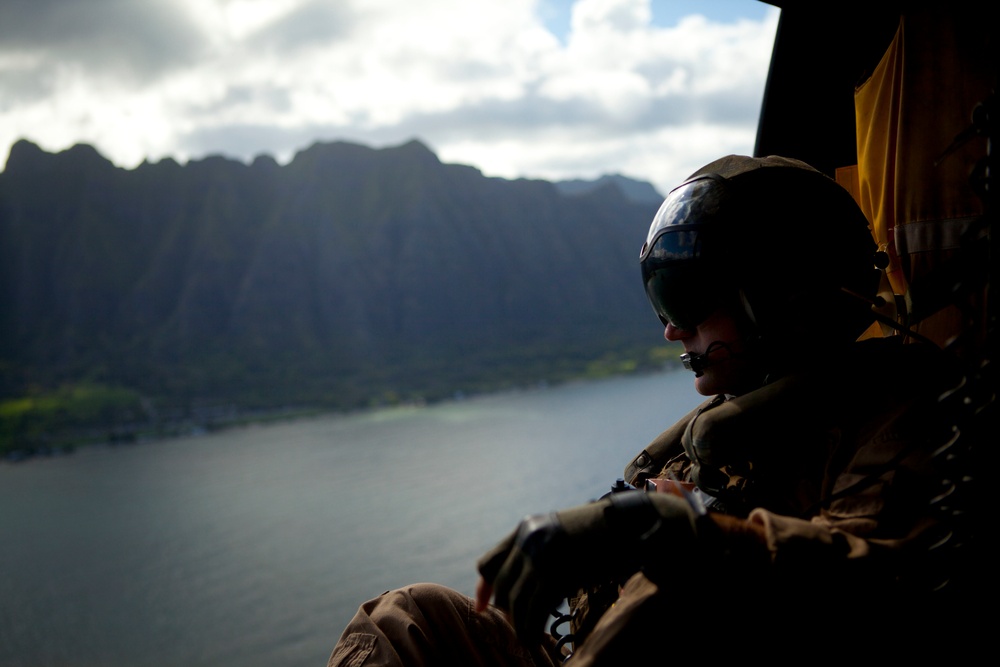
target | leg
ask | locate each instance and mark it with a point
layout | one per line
(428, 624)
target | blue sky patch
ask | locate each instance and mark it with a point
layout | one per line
(556, 13)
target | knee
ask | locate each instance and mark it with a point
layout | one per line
(395, 628)
(418, 601)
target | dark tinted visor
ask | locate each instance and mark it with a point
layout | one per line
(681, 285)
(682, 293)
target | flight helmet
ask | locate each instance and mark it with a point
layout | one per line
(779, 243)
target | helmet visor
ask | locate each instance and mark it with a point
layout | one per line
(681, 285)
(681, 293)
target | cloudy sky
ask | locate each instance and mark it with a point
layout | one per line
(551, 89)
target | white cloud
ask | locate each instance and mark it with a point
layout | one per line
(596, 16)
(482, 83)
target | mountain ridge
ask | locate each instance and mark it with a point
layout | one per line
(350, 276)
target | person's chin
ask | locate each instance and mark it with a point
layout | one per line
(706, 385)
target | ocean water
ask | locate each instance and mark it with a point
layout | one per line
(255, 546)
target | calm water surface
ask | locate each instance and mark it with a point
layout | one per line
(254, 546)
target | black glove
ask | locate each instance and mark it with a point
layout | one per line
(548, 557)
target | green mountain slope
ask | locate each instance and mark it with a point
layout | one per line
(348, 277)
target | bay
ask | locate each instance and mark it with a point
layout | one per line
(255, 545)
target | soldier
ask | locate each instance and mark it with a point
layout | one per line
(790, 509)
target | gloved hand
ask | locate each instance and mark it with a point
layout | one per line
(548, 557)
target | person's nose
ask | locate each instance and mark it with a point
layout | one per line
(672, 333)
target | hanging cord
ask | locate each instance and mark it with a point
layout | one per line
(960, 562)
(566, 641)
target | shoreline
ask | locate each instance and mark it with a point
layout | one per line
(228, 417)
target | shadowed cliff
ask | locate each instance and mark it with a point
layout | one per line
(348, 277)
